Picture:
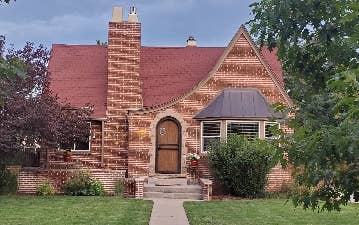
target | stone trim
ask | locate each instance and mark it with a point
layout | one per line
(153, 126)
(206, 185)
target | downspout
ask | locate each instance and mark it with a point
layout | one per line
(102, 141)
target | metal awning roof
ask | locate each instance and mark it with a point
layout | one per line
(238, 103)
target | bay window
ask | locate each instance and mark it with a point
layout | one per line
(211, 131)
(244, 128)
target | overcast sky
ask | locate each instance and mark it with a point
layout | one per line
(164, 22)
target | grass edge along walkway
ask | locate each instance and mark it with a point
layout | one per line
(264, 211)
(59, 210)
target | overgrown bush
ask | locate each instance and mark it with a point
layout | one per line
(8, 181)
(45, 189)
(241, 166)
(83, 185)
(119, 188)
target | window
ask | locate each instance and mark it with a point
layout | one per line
(83, 145)
(211, 131)
(248, 129)
(268, 130)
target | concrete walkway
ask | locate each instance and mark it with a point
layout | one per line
(168, 212)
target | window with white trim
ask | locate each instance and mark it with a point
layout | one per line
(268, 127)
(211, 131)
(248, 129)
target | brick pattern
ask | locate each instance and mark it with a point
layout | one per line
(207, 186)
(279, 179)
(80, 159)
(240, 69)
(124, 89)
(29, 179)
(130, 134)
(140, 183)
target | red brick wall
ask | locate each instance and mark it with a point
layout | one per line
(240, 69)
(129, 138)
(29, 179)
(80, 159)
(124, 89)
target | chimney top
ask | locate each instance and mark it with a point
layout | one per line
(191, 41)
(117, 14)
(133, 15)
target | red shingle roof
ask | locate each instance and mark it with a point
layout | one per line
(79, 72)
(272, 59)
(167, 73)
(79, 75)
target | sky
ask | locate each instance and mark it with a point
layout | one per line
(164, 22)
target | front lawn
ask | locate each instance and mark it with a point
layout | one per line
(66, 210)
(269, 211)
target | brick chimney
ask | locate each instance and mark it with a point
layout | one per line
(124, 44)
(124, 86)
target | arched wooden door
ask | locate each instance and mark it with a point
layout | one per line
(168, 147)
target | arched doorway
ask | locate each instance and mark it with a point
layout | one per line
(168, 146)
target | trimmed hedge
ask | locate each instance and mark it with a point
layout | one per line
(241, 166)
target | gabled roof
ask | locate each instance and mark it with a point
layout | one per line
(168, 74)
(237, 103)
(267, 63)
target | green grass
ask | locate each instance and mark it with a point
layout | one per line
(68, 210)
(268, 211)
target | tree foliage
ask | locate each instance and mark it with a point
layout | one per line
(318, 44)
(30, 114)
(6, 1)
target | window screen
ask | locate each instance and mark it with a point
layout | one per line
(211, 131)
(248, 129)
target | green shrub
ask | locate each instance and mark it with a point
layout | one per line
(45, 189)
(119, 188)
(241, 166)
(8, 181)
(83, 185)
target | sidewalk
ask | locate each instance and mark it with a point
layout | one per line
(168, 212)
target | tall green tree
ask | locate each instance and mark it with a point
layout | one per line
(30, 113)
(5, 1)
(318, 44)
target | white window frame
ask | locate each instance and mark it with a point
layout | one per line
(244, 121)
(272, 123)
(202, 137)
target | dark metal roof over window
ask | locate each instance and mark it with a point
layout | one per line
(238, 103)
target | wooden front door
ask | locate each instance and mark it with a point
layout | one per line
(168, 148)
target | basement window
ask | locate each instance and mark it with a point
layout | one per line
(247, 129)
(211, 132)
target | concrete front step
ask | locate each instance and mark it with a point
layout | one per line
(194, 196)
(195, 189)
(167, 182)
(175, 188)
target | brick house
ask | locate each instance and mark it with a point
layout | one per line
(152, 106)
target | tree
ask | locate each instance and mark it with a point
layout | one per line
(6, 1)
(318, 45)
(31, 115)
